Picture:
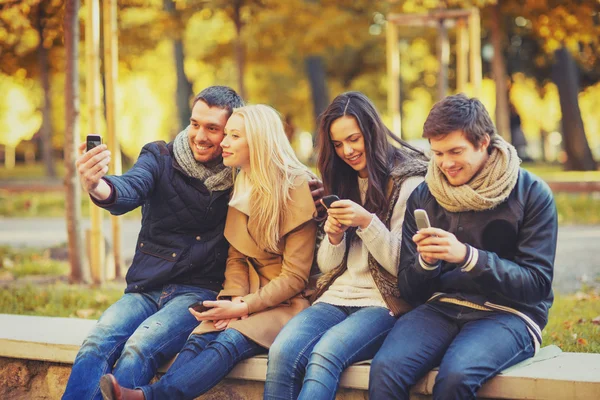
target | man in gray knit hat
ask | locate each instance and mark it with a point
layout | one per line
(183, 188)
(480, 278)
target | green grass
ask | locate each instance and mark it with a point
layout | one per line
(551, 172)
(571, 325)
(30, 171)
(25, 262)
(58, 300)
(578, 208)
(44, 204)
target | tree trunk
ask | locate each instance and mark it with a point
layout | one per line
(500, 75)
(79, 270)
(240, 55)
(184, 92)
(575, 144)
(46, 128)
(315, 69)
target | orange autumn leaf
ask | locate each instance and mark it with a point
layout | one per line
(582, 342)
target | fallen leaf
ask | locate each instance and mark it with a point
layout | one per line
(582, 341)
(582, 321)
(85, 313)
(568, 325)
(596, 321)
(581, 296)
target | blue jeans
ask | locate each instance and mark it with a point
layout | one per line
(470, 347)
(313, 349)
(202, 363)
(133, 338)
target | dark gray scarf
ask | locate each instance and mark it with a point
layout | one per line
(214, 178)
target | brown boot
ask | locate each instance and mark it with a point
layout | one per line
(112, 391)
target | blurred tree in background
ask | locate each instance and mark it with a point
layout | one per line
(298, 54)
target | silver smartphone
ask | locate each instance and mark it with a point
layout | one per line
(422, 219)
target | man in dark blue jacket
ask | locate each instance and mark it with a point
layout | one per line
(183, 188)
(480, 278)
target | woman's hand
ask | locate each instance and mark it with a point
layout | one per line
(223, 324)
(334, 230)
(222, 310)
(348, 213)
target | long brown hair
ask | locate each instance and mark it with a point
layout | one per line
(338, 177)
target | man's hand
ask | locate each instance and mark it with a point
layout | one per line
(221, 310)
(91, 167)
(334, 230)
(316, 190)
(434, 244)
(348, 213)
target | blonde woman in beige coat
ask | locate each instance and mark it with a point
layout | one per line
(271, 232)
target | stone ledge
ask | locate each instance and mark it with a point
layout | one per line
(552, 374)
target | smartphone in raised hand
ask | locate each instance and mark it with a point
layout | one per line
(422, 219)
(328, 200)
(92, 141)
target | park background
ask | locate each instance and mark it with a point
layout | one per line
(295, 55)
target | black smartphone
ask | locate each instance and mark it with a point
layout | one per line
(92, 141)
(199, 307)
(328, 200)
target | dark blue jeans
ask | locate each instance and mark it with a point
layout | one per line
(133, 338)
(470, 347)
(313, 349)
(202, 363)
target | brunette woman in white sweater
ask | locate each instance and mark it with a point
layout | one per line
(357, 299)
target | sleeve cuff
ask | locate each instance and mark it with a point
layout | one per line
(252, 300)
(112, 198)
(231, 293)
(372, 231)
(470, 259)
(427, 266)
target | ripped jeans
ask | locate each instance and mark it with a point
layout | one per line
(133, 338)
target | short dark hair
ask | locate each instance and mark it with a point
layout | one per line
(221, 97)
(459, 113)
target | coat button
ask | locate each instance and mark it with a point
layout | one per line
(198, 238)
(174, 255)
(460, 228)
(141, 244)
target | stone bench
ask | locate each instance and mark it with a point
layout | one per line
(552, 374)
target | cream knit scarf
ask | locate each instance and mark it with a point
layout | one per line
(214, 178)
(490, 187)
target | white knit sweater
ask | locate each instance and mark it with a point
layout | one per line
(356, 287)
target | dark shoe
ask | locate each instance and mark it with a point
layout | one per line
(110, 389)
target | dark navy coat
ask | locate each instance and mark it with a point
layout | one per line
(181, 240)
(515, 245)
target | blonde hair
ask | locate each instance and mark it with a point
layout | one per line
(274, 168)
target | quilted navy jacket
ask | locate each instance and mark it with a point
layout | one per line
(181, 240)
(510, 264)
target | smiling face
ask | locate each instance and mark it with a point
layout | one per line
(458, 159)
(206, 131)
(349, 143)
(236, 152)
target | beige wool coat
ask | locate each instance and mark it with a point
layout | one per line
(271, 284)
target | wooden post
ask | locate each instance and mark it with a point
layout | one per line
(500, 76)
(393, 69)
(475, 51)
(92, 44)
(443, 55)
(462, 49)
(111, 63)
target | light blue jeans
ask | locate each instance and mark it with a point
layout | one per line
(202, 363)
(313, 349)
(133, 338)
(470, 347)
